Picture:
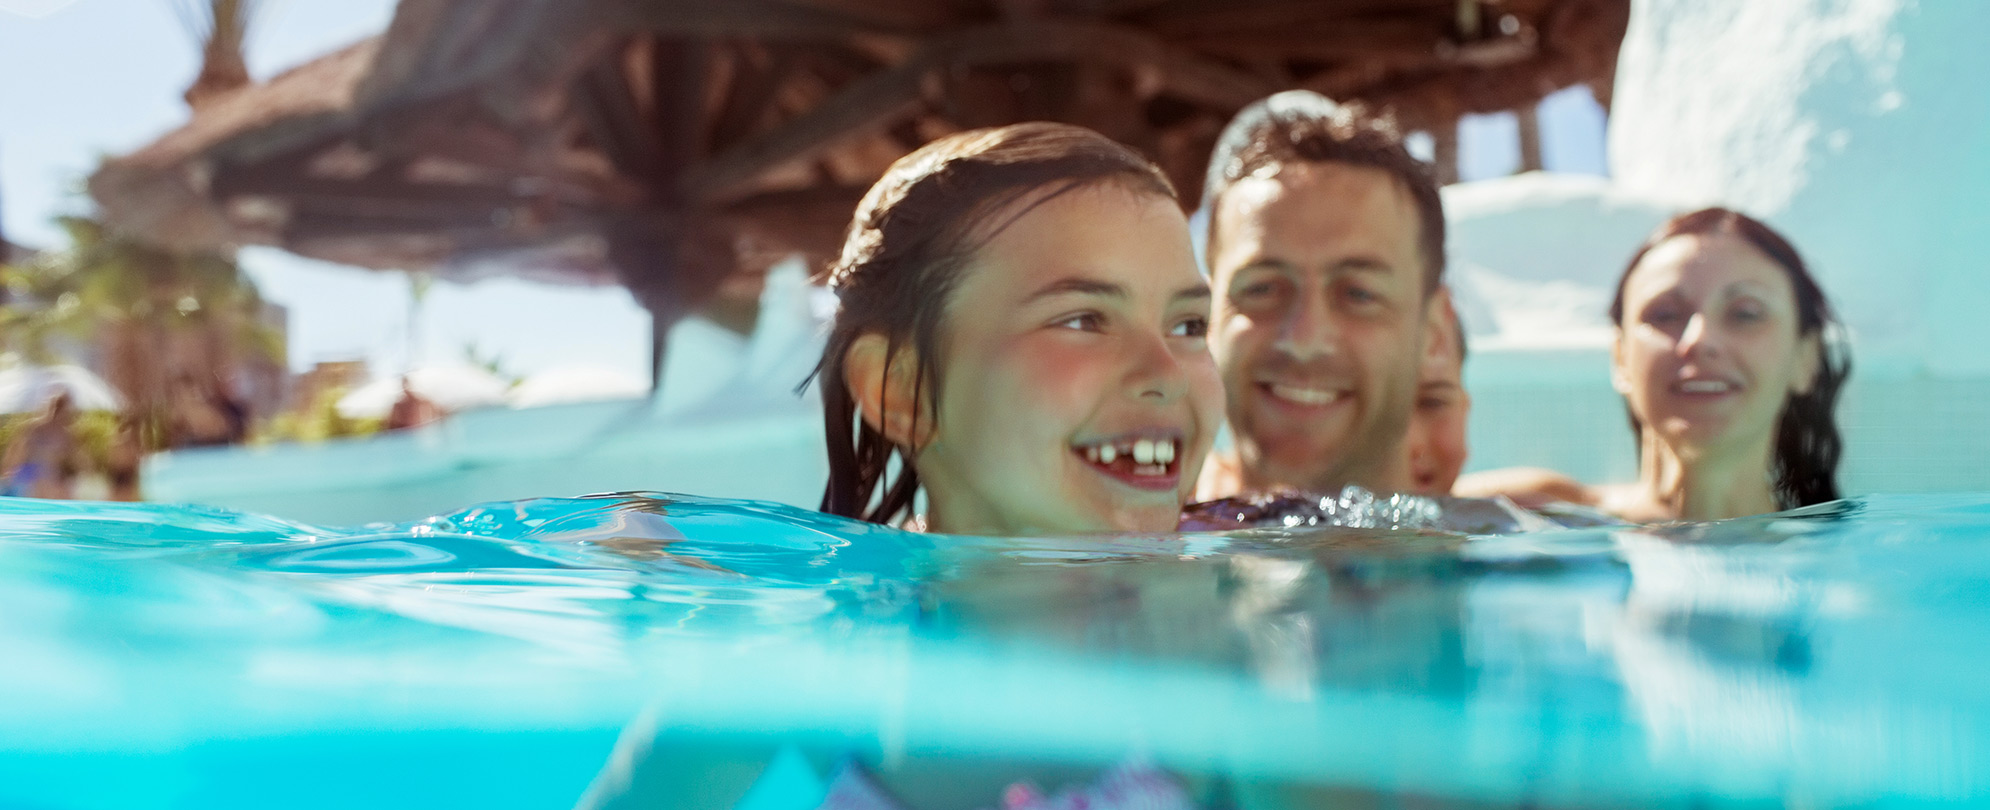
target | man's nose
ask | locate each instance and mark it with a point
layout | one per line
(1308, 329)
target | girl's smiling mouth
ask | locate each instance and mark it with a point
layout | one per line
(1143, 459)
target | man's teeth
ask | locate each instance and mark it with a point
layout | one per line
(1144, 452)
(1706, 386)
(1304, 396)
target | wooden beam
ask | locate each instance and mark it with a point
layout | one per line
(874, 102)
(1182, 73)
(742, 18)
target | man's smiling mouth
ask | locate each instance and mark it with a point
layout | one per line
(1302, 395)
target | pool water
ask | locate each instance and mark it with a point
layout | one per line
(654, 650)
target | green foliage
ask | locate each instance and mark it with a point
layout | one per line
(316, 422)
(93, 431)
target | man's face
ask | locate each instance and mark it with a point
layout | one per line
(1319, 322)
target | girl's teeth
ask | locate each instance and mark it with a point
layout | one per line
(1092, 454)
(1143, 451)
(1164, 452)
(1108, 454)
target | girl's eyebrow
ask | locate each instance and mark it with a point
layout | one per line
(1077, 286)
(1106, 289)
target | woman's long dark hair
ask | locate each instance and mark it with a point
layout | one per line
(1807, 441)
(912, 234)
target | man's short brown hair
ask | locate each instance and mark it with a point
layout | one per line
(1301, 126)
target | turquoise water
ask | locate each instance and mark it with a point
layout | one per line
(511, 654)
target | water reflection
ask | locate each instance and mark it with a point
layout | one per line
(1824, 656)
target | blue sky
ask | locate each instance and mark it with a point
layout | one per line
(102, 77)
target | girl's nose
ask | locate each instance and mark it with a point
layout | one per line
(1157, 373)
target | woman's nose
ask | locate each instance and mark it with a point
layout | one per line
(1699, 338)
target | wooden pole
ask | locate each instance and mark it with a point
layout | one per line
(1444, 140)
(1530, 137)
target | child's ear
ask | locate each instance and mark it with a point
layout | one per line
(886, 387)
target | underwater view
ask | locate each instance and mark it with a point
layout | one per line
(659, 650)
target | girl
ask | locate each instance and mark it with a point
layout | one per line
(1021, 335)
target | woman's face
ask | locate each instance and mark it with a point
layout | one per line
(1077, 391)
(1709, 349)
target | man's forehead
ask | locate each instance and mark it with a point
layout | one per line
(1312, 204)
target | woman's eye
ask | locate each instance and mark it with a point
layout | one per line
(1748, 314)
(1192, 327)
(1663, 317)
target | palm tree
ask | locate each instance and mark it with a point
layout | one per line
(152, 316)
(221, 27)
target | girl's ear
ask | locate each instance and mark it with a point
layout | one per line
(886, 387)
(1810, 360)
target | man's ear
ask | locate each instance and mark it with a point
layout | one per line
(1810, 360)
(885, 385)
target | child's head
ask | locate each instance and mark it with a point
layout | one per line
(1021, 324)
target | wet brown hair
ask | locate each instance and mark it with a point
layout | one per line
(1300, 126)
(1807, 442)
(911, 236)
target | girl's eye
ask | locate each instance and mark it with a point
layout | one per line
(1663, 317)
(1195, 327)
(1083, 322)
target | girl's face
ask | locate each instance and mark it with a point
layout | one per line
(1709, 348)
(1077, 392)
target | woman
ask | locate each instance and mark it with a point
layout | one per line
(44, 456)
(1727, 359)
(1020, 337)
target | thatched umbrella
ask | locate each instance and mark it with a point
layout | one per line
(679, 147)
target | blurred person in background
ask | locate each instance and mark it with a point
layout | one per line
(204, 414)
(1325, 249)
(1435, 449)
(411, 410)
(123, 458)
(1727, 360)
(44, 456)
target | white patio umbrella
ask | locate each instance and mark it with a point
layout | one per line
(453, 388)
(27, 388)
(577, 384)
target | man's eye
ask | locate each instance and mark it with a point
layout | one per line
(1195, 327)
(1261, 288)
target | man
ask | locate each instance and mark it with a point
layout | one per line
(1325, 247)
